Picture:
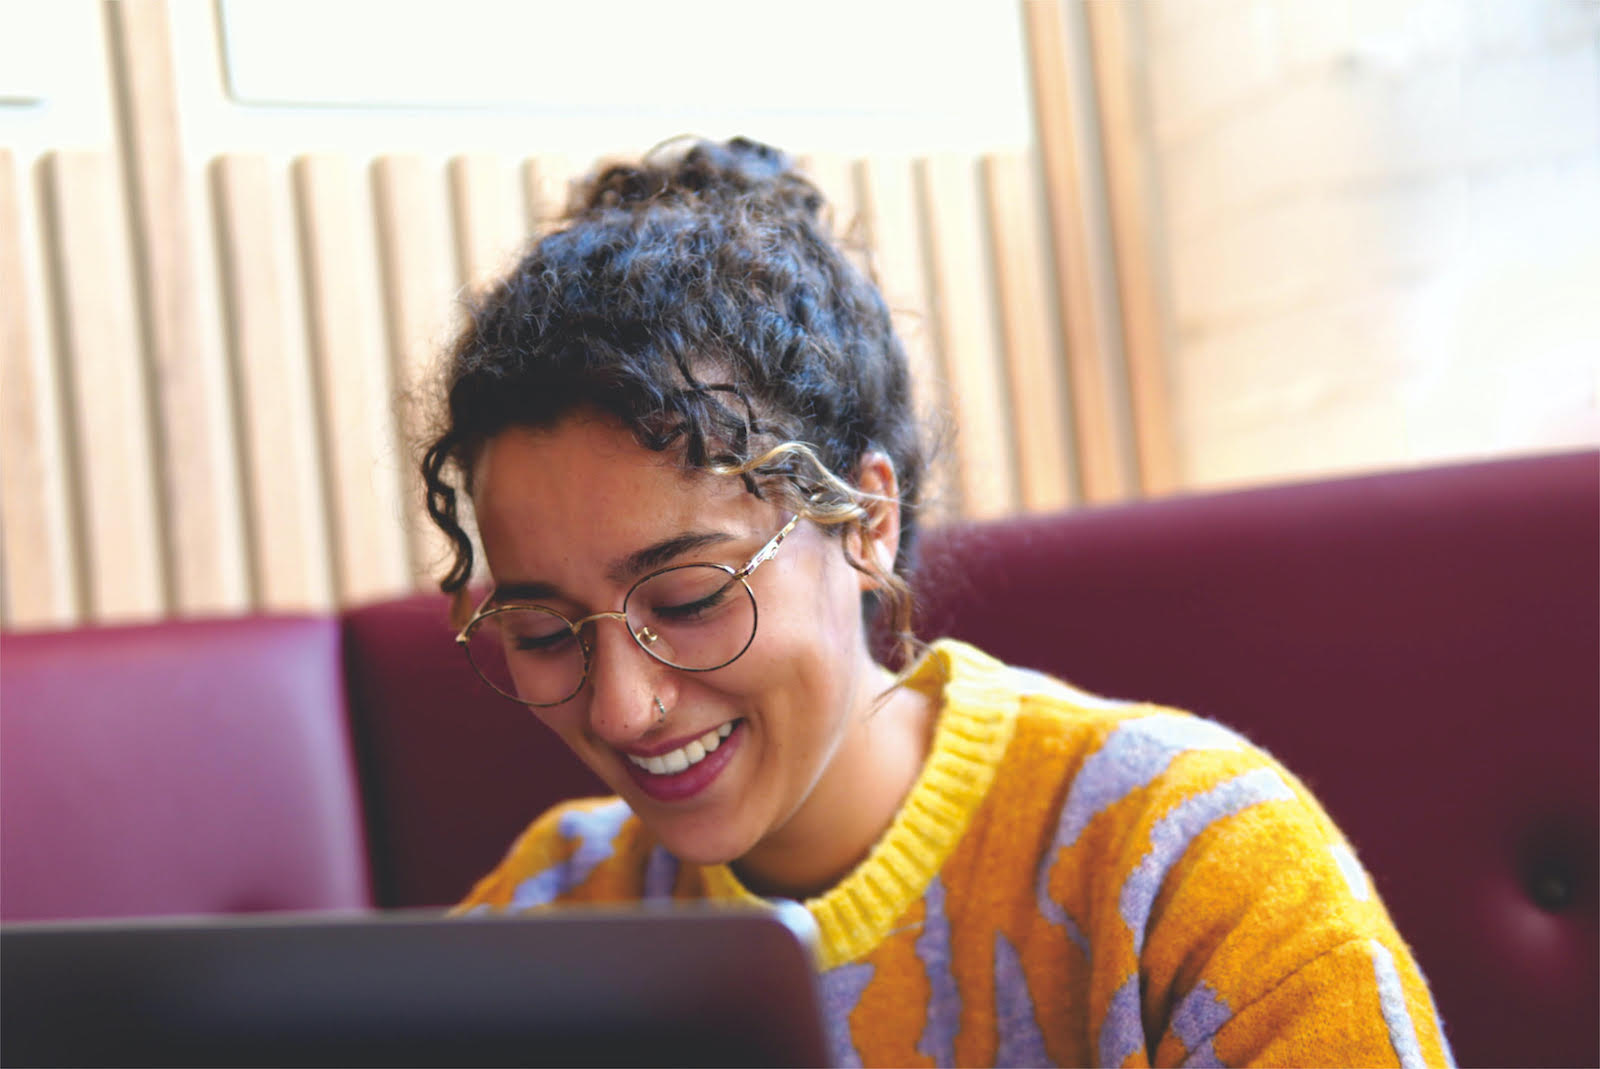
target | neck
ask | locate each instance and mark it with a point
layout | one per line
(854, 801)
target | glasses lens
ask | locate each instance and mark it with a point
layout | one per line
(698, 616)
(528, 654)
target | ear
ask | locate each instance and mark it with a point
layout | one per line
(881, 531)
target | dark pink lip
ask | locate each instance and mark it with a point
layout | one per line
(678, 786)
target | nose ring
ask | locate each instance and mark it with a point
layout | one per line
(661, 711)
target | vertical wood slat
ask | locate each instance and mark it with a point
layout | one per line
(194, 423)
(545, 189)
(891, 221)
(837, 177)
(287, 523)
(1094, 402)
(489, 228)
(111, 451)
(37, 538)
(960, 302)
(418, 289)
(1127, 181)
(357, 428)
(1032, 352)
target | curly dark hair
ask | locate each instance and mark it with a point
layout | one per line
(699, 297)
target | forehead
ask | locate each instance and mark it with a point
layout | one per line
(585, 487)
(584, 454)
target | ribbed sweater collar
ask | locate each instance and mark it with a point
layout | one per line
(976, 721)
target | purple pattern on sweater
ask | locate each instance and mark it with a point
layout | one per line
(841, 993)
(938, 1039)
(1021, 1041)
(1132, 756)
(660, 874)
(1172, 834)
(1122, 1031)
(1392, 1000)
(1197, 1018)
(1054, 912)
(596, 831)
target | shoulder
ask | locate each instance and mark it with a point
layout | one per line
(1171, 841)
(1136, 799)
(591, 848)
(1103, 752)
(1062, 734)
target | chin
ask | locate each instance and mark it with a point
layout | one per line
(697, 846)
(703, 857)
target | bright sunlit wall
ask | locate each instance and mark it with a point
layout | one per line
(1382, 229)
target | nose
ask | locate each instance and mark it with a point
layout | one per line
(624, 683)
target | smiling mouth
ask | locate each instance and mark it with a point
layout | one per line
(686, 756)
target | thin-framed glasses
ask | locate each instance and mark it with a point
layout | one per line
(694, 617)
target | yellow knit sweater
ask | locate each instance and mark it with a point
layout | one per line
(1071, 881)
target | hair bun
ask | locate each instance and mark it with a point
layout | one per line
(737, 170)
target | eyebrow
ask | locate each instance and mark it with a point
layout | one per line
(624, 570)
(668, 549)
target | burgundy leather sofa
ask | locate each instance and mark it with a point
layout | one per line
(1423, 648)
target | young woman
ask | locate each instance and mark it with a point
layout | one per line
(683, 423)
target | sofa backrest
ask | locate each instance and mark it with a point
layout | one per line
(452, 770)
(1422, 648)
(197, 767)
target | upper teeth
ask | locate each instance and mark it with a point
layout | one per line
(691, 753)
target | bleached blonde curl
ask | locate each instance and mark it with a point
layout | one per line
(793, 472)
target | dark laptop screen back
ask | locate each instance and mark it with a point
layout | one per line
(641, 987)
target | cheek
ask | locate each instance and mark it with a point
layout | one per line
(814, 598)
(807, 644)
(838, 600)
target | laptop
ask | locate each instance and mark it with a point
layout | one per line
(645, 985)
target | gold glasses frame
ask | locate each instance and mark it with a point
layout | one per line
(643, 638)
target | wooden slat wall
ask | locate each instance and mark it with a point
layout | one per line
(193, 428)
(111, 460)
(1132, 218)
(966, 334)
(839, 179)
(279, 447)
(490, 226)
(1033, 352)
(37, 536)
(359, 435)
(894, 231)
(1097, 405)
(415, 257)
(545, 182)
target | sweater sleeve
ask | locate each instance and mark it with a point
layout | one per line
(1367, 1005)
(1263, 941)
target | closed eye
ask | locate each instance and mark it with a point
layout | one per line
(691, 610)
(541, 643)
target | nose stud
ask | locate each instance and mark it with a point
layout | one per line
(661, 712)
